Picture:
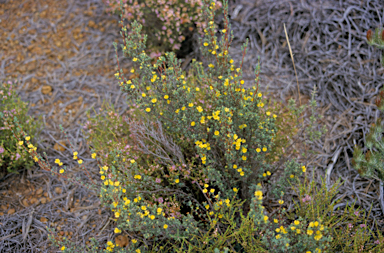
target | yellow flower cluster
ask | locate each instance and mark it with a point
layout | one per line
(110, 246)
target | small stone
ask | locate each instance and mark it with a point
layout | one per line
(58, 147)
(46, 89)
(43, 200)
(39, 191)
(58, 190)
(33, 200)
(25, 202)
(121, 240)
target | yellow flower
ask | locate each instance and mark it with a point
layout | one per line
(134, 59)
(152, 217)
(235, 189)
(148, 109)
(212, 190)
(80, 161)
(21, 143)
(117, 183)
(292, 176)
(234, 166)
(264, 175)
(298, 231)
(304, 169)
(205, 190)
(154, 100)
(117, 230)
(268, 173)
(278, 236)
(268, 113)
(217, 132)
(132, 70)
(61, 171)
(134, 241)
(309, 232)
(259, 95)
(132, 161)
(258, 150)
(165, 226)
(281, 202)
(296, 222)
(93, 155)
(27, 138)
(264, 149)
(205, 44)
(177, 181)
(102, 177)
(63, 248)
(193, 123)
(117, 214)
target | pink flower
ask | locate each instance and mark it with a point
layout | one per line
(160, 200)
(17, 156)
(357, 213)
(377, 242)
(350, 225)
(363, 225)
(158, 180)
(1, 150)
(307, 198)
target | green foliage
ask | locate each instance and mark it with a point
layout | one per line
(193, 156)
(14, 156)
(376, 39)
(347, 228)
(371, 164)
(165, 22)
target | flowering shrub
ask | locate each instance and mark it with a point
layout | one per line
(196, 156)
(13, 156)
(165, 22)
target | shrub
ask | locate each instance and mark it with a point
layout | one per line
(13, 154)
(166, 23)
(186, 195)
(156, 201)
(371, 164)
(376, 39)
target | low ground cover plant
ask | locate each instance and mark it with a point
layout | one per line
(371, 164)
(166, 23)
(188, 168)
(13, 157)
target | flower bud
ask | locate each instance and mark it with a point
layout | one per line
(382, 35)
(369, 35)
